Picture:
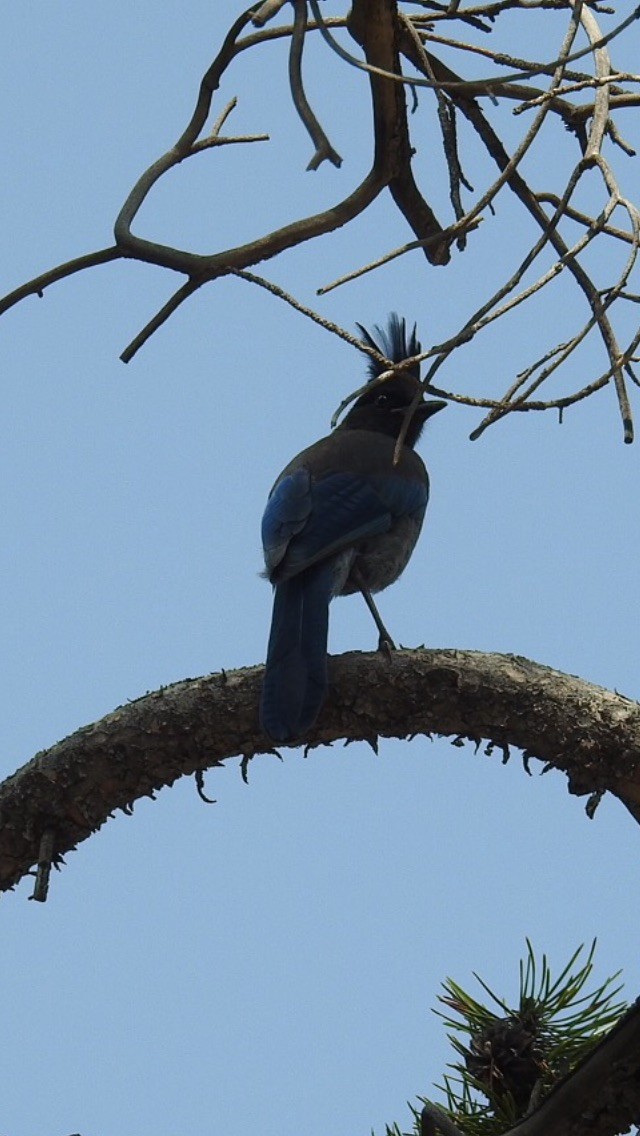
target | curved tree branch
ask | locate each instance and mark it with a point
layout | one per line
(71, 789)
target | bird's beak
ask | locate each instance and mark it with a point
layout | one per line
(431, 406)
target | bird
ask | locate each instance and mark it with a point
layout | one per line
(342, 517)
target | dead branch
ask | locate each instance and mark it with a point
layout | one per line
(37, 286)
(324, 151)
(386, 35)
(510, 175)
(73, 788)
(374, 25)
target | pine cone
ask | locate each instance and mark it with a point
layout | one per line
(506, 1058)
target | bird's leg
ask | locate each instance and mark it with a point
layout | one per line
(385, 642)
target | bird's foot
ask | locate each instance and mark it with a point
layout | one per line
(386, 645)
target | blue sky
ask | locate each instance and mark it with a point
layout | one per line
(270, 962)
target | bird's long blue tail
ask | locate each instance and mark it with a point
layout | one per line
(295, 680)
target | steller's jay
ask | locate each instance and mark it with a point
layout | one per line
(341, 518)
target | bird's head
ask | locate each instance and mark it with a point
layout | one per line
(383, 408)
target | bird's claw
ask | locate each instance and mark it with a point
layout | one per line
(386, 645)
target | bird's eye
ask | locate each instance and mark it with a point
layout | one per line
(382, 400)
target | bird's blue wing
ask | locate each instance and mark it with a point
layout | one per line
(287, 512)
(307, 520)
(402, 496)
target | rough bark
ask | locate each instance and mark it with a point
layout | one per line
(70, 790)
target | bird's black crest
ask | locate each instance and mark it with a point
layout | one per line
(393, 342)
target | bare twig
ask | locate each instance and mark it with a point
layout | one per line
(471, 110)
(327, 324)
(161, 317)
(594, 82)
(583, 218)
(493, 83)
(616, 137)
(284, 31)
(45, 860)
(324, 151)
(37, 286)
(603, 71)
(446, 117)
(267, 11)
(451, 234)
